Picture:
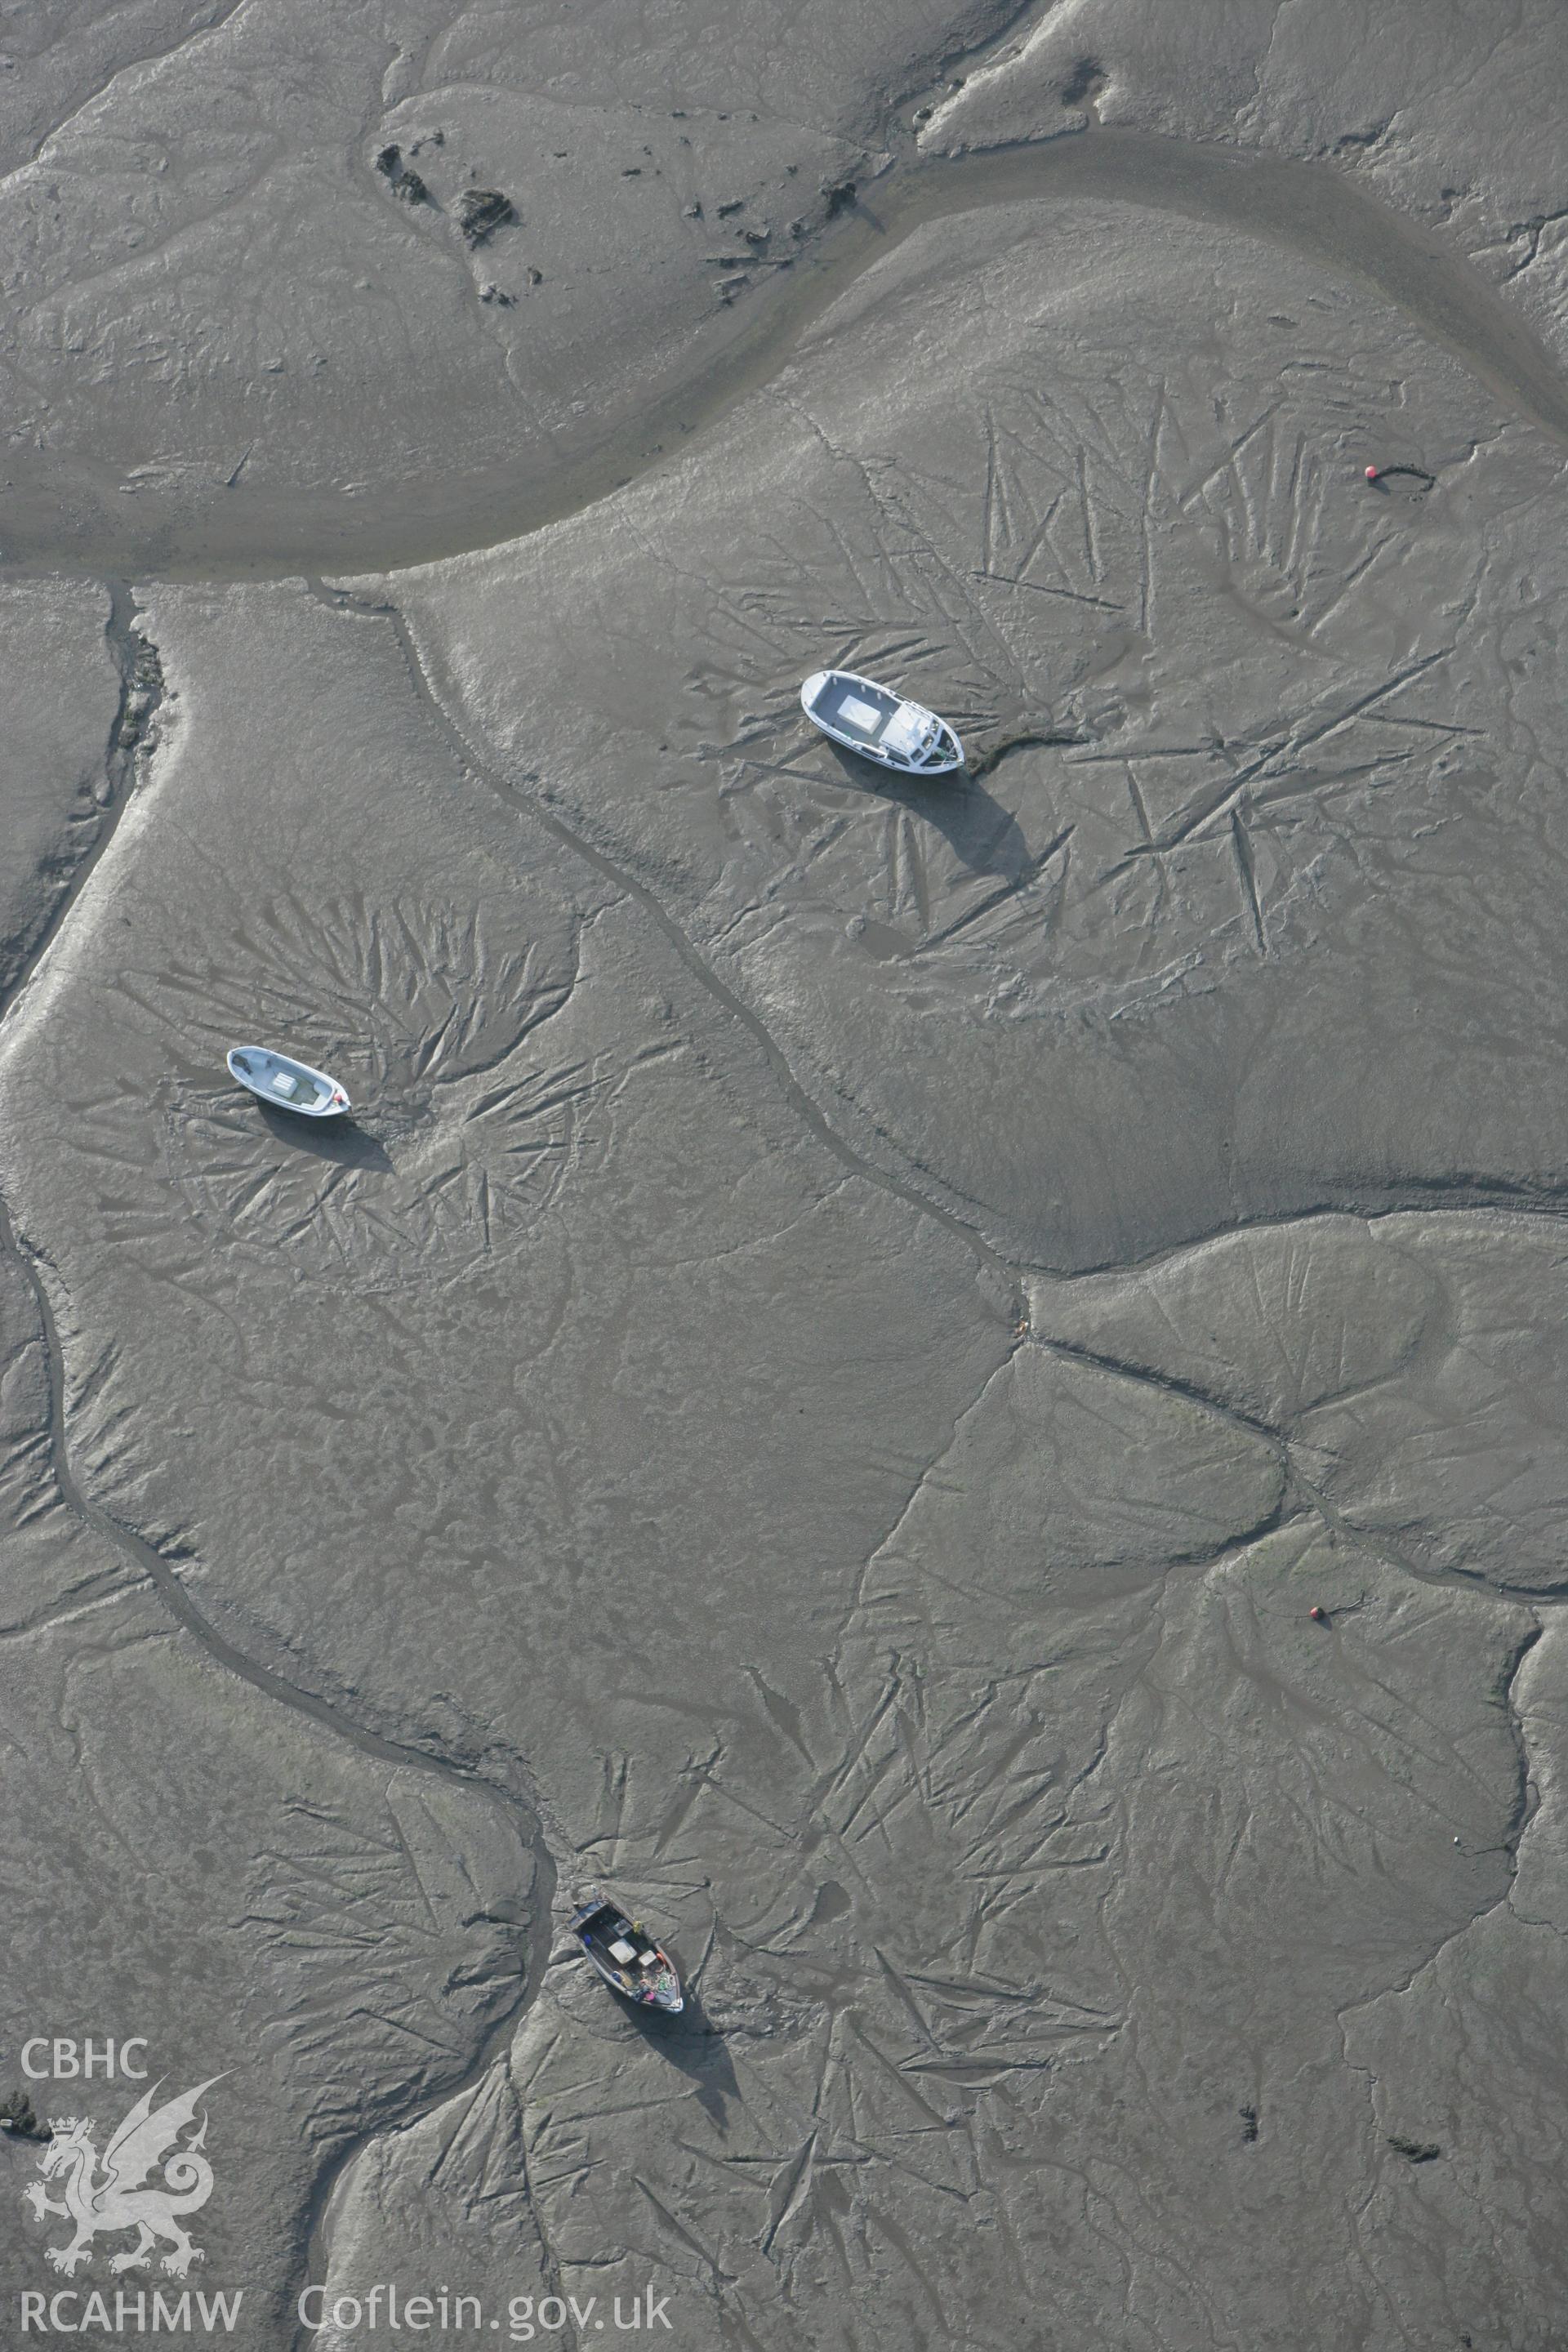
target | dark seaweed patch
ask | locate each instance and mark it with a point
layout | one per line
(141, 692)
(403, 183)
(481, 211)
(17, 2117)
(1084, 83)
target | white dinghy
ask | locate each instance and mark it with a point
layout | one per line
(880, 725)
(277, 1079)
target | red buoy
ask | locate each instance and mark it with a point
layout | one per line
(1321, 1615)
(1371, 473)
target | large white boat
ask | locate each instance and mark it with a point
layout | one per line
(879, 724)
(277, 1079)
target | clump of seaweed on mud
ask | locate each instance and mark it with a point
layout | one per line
(18, 2117)
(403, 180)
(1085, 83)
(478, 212)
(481, 211)
(140, 695)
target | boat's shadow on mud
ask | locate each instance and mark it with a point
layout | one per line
(337, 1140)
(984, 838)
(695, 2047)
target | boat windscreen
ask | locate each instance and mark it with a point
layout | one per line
(907, 734)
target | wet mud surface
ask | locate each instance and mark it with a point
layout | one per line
(955, 1390)
(449, 479)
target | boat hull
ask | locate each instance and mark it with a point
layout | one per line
(669, 2004)
(285, 1084)
(875, 724)
(627, 1958)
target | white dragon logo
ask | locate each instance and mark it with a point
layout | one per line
(119, 2196)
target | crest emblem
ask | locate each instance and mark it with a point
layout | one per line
(104, 2196)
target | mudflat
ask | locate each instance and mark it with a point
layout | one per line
(951, 1388)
